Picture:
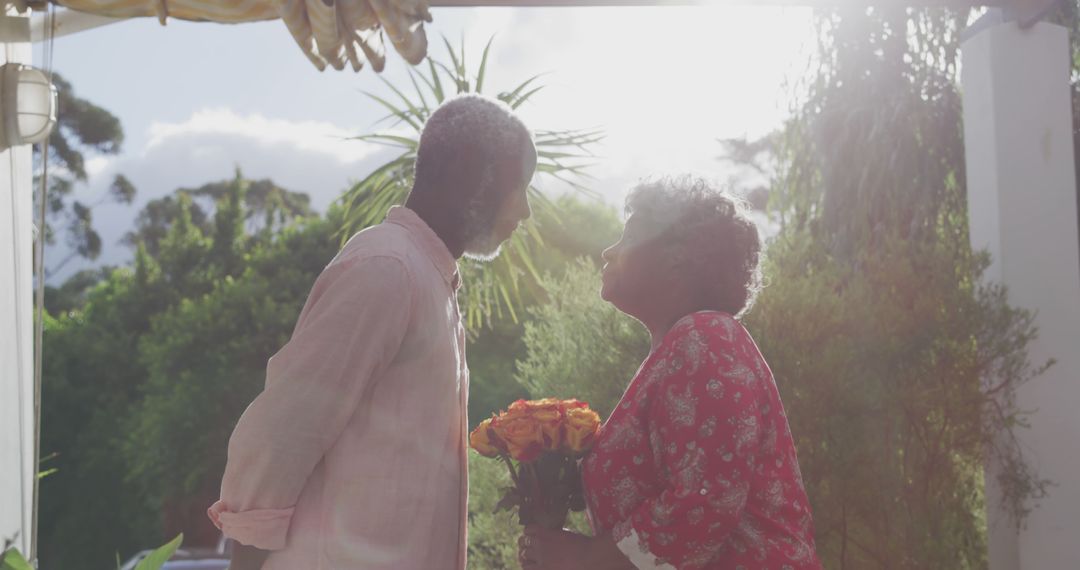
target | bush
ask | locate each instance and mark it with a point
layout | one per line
(578, 345)
(493, 536)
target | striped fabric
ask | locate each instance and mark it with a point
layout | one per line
(227, 11)
(329, 32)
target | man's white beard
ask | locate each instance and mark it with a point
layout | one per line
(481, 243)
(484, 252)
(480, 224)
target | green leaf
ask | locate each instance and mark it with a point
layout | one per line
(414, 111)
(435, 83)
(512, 96)
(159, 557)
(13, 560)
(46, 473)
(496, 289)
(459, 68)
(419, 92)
(400, 115)
(521, 100)
(483, 66)
(390, 140)
(509, 500)
(462, 87)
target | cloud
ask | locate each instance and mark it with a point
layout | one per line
(664, 83)
(96, 165)
(315, 137)
(302, 156)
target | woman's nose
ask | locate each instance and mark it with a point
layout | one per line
(608, 255)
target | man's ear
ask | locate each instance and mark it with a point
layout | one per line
(461, 173)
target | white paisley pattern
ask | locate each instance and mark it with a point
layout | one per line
(696, 467)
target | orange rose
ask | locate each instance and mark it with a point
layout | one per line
(522, 433)
(532, 406)
(546, 403)
(572, 403)
(551, 424)
(484, 441)
(518, 407)
(581, 427)
(548, 412)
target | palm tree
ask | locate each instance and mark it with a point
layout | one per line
(494, 289)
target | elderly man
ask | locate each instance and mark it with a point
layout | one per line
(354, 455)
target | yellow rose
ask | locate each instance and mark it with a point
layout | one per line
(483, 440)
(581, 427)
(546, 412)
(550, 420)
(517, 409)
(549, 413)
(572, 403)
(522, 433)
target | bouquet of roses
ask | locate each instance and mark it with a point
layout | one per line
(540, 441)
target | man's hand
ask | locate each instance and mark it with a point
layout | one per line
(247, 557)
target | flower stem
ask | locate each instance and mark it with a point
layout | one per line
(510, 466)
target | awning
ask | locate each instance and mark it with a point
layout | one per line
(336, 32)
(329, 32)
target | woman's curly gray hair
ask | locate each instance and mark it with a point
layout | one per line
(709, 232)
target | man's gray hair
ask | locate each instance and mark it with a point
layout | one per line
(483, 127)
(707, 229)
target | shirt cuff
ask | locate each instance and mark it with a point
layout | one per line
(265, 529)
(637, 551)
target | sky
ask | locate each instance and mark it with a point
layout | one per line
(197, 100)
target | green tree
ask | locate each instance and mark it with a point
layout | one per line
(72, 293)
(91, 382)
(205, 360)
(496, 287)
(492, 535)
(82, 127)
(578, 345)
(267, 208)
(895, 364)
(194, 321)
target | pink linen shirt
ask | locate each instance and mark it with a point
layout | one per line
(354, 455)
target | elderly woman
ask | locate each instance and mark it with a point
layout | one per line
(696, 467)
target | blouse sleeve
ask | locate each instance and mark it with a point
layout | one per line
(703, 420)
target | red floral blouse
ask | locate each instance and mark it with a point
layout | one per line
(696, 467)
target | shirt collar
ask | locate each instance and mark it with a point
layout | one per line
(429, 242)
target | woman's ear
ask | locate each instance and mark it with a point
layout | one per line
(675, 261)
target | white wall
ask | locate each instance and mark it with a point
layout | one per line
(1022, 208)
(16, 325)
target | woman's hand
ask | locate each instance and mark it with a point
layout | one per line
(546, 549)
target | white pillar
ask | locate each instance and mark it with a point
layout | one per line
(1022, 202)
(17, 469)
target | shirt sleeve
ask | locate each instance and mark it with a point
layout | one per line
(351, 328)
(703, 424)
